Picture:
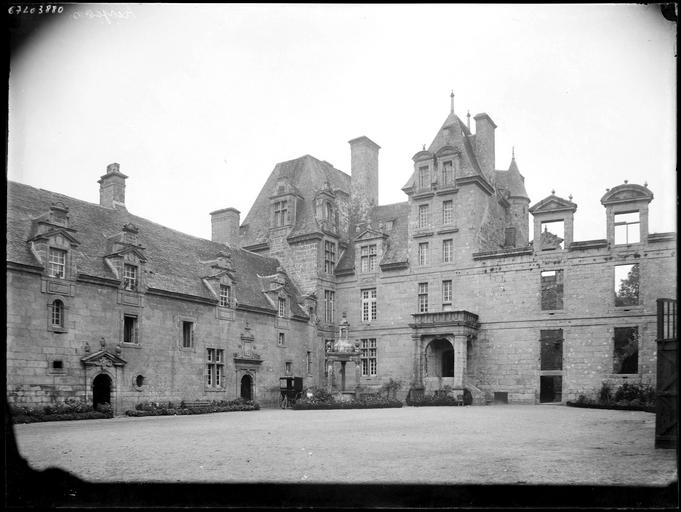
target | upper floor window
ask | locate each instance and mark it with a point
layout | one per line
(282, 307)
(627, 228)
(329, 298)
(308, 361)
(368, 258)
(447, 212)
(447, 246)
(447, 292)
(423, 298)
(423, 253)
(130, 329)
(551, 289)
(215, 367)
(129, 277)
(627, 279)
(447, 173)
(225, 295)
(424, 177)
(57, 263)
(328, 212)
(329, 257)
(280, 213)
(57, 316)
(369, 305)
(509, 237)
(281, 339)
(187, 334)
(424, 215)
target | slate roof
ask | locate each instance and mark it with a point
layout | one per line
(395, 245)
(308, 175)
(173, 258)
(511, 180)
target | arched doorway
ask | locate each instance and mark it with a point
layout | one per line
(101, 390)
(247, 387)
(440, 358)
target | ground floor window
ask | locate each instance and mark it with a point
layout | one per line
(368, 357)
(625, 357)
(215, 368)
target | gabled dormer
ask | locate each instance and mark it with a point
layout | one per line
(626, 210)
(326, 210)
(274, 289)
(52, 242)
(125, 258)
(553, 223)
(369, 248)
(220, 281)
(425, 172)
(284, 204)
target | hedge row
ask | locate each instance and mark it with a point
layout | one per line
(169, 409)
(308, 405)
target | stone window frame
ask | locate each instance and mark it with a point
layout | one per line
(137, 323)
(282, 310)
(215, 378)
(627, 225)
(51, 303)
(329, 306)
(448, 250)
(447, 292)
(422, 298)
(368, 255)
(424, 216)
(560, 284)
(448, 178)
(369, 357)
(280, 210)
(639, 299)
(447, 212)
(423, 177)
(52, 368)
(308, 362)
(281, 339)
(130, 276)
(51, 265)
(369, 305)
(224, 299)
(423, 256)
(637, 339)
(329, 256)
(182, 320)
(288, 367)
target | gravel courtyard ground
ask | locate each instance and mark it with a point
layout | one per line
(444, 445)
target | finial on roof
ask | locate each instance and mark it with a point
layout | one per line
(512, 152)
(607, 190)
(645, 184)
(468, 121)
(626, 181)
(553, 191)
(424, 147)
(570, 197)
(451, 97)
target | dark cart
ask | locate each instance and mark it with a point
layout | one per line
(291, 389)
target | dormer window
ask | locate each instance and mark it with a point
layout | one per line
(57, 263)
(282, 307)
(627, 228)
(447, 173)
(329, 212)
(225, 295)
(368, 258)
(424, 177)
(129, 277)
(329, 257)
(280, 213)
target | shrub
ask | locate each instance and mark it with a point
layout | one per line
(439, 399)
(166, 409)
(370, 402)
(605, 393)
(635, 391)
(69, 409)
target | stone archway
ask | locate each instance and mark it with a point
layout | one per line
(439, 358)
(101, 389)
(246, 387)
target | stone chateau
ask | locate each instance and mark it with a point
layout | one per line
(444, 291)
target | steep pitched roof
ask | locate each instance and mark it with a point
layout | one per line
(395, 245)
(511, 180)
(308, 175)
(174, 259)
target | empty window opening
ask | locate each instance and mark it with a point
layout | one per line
(58, 364)
(129, 329)
(187, 334)
(627, 228)
(551, 349)
(552, 235)
(627, 278)
(625, 358)
(550, 388)
(510, 237)
(139, 381)
(500, 397)
(308, 362)
(281, 340)
(551, 290)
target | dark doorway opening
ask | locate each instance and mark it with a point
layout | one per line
(448, 363)
(247, 387)
(101, 390)
(550, 388)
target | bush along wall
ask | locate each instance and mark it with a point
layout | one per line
(441, 398)
(69, 409)
(185, 408)
(319, 398)
(635, 396)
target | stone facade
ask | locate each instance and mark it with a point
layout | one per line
(443, 291)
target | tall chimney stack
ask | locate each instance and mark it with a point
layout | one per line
(364, 172)
(484, 144)
(112, 187)
(225, 226)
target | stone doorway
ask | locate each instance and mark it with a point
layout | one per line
(247, 387)
(101, 390)
(439, 358)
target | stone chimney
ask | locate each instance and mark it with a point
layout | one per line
(484, 144)
(225, 226)
(364, 172)
(112, 187)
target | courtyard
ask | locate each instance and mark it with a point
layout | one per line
(506, 445)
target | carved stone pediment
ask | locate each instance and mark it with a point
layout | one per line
(103, 359)
(370, 234)
(552, 203)
(61, 236)
(628, 192)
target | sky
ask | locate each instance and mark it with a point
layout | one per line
(199, 102)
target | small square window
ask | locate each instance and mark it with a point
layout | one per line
(58, 364)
